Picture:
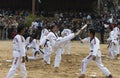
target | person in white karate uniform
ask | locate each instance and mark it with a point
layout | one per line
(117, 33)
(66, 31)
(33, 42)
(119, 36)
(94, 55)
(36, 48)
(28, 41)
(56, 43)
(18, 53)
(113, 43)
(47, 48)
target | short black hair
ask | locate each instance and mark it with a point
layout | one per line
(34, 36)
(20, 28)
(92, 31)
(52, 26)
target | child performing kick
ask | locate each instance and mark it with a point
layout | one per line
(57, 42)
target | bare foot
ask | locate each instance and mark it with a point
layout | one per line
(56, 70)
(118, 55)
(69, 61)
(82, 76)
(110, 76)
(46, 63)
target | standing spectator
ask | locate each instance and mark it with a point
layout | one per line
(34, 25)
(102, 31)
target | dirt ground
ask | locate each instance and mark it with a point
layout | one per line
(71, 69)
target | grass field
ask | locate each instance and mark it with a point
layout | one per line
(37, 69)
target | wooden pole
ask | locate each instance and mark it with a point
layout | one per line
(33, 7)
(98, 6)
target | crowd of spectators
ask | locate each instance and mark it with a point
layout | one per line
(10, 19)
(74, 20)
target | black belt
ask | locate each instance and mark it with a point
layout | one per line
(46, 42)
(34, 48)
(91, 50)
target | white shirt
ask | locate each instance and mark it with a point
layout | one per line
(116, 31)
(110, 20)
(35, 44)
(94, 45)
(88, 17)
(18, 46)
(111, 36)
(34, 25)
(44, 32)
(52, 38)
(43, 37)
(28, 43)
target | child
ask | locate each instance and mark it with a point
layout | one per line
(18, 53)
(113, 43)
(94, 54)
(47, 48)
(117, 33)
(57, 41)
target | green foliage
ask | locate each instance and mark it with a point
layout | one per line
(30, 19)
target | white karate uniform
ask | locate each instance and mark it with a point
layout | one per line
(44, 32)
(35, 46)
(28, 44)
(47, 48)
(113, 44)
(94, 51)
(18, 53)
(64, 33)
(56, 43)
(34, 25)
(117, 40)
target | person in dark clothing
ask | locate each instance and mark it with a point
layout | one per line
(102, 31)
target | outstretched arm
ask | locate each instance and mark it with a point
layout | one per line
(77, 33)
